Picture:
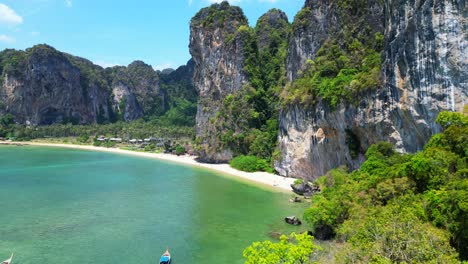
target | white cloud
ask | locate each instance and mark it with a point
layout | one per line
(190, 2)
(219, 1)
(106, 64)
(163, 66)
(8, 16)
(7, 39)
(34, 33)
(69, 3)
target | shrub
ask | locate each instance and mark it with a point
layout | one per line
(179, 150)
(150, 148)
(251, 164)
(297, 248)
(299, 181)
(83, 138)
(109, 144)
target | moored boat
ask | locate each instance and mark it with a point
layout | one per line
(166, 257)
(8, 261)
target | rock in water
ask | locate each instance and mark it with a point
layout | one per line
(301, 188)
(292, 220)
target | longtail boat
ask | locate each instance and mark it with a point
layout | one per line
(166, 257)
(8, 261)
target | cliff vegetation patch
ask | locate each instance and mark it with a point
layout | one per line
(337, 75)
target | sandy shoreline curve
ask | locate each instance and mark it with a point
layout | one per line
(263, 178)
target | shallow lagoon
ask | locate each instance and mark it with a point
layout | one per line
(74, 206)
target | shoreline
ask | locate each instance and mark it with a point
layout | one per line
(263, 178)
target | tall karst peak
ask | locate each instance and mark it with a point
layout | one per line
(273, 24)
(218, 45)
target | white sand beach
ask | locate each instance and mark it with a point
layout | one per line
(264, 178)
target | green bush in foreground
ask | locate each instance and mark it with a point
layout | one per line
(297, 248)
(251, 164)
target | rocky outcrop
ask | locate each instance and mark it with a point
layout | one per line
(136, 90)
(42, 86)
(146, 88)
(124, 102)
(292, 220)
(218, 53)
(424, 72)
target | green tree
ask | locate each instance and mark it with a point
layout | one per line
(394, 234)
(295, 249)
(448, 208)
(446, 119)
(7, 120)
(83, 138)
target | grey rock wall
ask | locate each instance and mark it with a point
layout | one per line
(424, 72)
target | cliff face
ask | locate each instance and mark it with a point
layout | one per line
(135, 90)
(426, 63)
(218, 54)
(424, 72)
(43, 86)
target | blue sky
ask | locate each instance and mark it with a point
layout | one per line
(116, 32)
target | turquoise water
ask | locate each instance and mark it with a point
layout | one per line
(71, 206)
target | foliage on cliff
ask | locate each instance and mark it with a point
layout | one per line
(12, 62)
(337, 74)
(247, 121)
(400, 207)
(349, 59)
(219, 16)
(181, 96)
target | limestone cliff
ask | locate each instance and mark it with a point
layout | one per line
(424, 71)
(218, 53)
(43, 86)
